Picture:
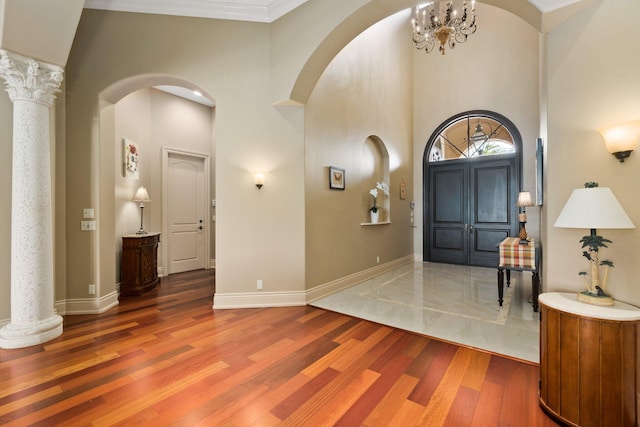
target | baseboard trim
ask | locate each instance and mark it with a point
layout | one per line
(87, 305)
(334, 286)
(258, 300)
(288, 299)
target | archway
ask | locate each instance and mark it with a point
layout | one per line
(345, 31)
(111, 204)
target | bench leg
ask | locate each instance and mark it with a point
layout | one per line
(508, 278)
(501, 284)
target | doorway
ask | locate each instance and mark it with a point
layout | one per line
(471, 182)
(186, 210)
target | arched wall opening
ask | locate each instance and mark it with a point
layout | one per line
(134, 110)
(348, 29)
(374, 163)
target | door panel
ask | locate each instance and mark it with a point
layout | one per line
(448, 210)
(492, 215)
(186, 210)
(471, 209)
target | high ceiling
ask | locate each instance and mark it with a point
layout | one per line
(241, 10)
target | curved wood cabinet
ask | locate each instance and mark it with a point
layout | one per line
(589, 368)
(139, 269)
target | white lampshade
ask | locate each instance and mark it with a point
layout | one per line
(524, 199)
(141, 195)
(593, 208)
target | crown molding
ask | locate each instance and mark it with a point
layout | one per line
(247, 10)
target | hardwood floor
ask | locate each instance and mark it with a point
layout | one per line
(167, 358)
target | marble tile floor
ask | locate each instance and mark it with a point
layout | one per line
(451, 302)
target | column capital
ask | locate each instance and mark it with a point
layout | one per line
(28, 79)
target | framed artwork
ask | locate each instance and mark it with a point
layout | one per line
(336, 178)
(539, 171)
(130, 159)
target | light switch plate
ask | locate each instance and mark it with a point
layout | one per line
(87, 213)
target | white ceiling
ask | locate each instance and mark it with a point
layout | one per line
(240, 10)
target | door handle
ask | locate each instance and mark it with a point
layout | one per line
(470, 228)
(200, 228)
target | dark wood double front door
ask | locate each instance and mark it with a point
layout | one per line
(470, 209)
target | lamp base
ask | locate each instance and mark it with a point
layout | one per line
(595, 299)
(141, 231)
(523, 234)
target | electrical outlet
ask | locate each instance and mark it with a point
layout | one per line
(87, 225)
(259, 284)
(92, 289)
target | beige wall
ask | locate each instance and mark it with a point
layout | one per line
(230, 61)
(365, 90)
(593, 73)
(39, 29)
(493, 70)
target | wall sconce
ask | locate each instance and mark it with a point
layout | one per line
(259, 178)
(622, 139)
(141, 197)
(524, 200)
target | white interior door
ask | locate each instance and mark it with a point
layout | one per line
(186, 212)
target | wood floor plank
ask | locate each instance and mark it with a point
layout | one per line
(445, 393)
(463, 408)
(166, 358)
(384, 412)
(475, 375)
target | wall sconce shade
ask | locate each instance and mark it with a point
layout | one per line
(622, 139)
(259, 178)
(141, 197)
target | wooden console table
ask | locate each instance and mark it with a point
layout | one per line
(139, 268)
(514, 256)
(589, 367)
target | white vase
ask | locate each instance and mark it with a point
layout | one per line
(374, 217)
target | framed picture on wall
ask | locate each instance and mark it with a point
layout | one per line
(130, 159)
(336, 178)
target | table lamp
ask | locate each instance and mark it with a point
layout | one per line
(592, 208)
(524, 200)
(141, 197)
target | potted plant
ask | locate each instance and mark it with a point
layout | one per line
(375, 209)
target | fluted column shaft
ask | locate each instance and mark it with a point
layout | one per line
(31, 87)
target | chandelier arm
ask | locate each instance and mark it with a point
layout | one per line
(446, 26)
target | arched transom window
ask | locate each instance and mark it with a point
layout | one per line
(470, 136)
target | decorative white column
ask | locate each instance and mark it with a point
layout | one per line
(31, 86)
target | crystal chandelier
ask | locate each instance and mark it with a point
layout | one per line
(433, 23)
